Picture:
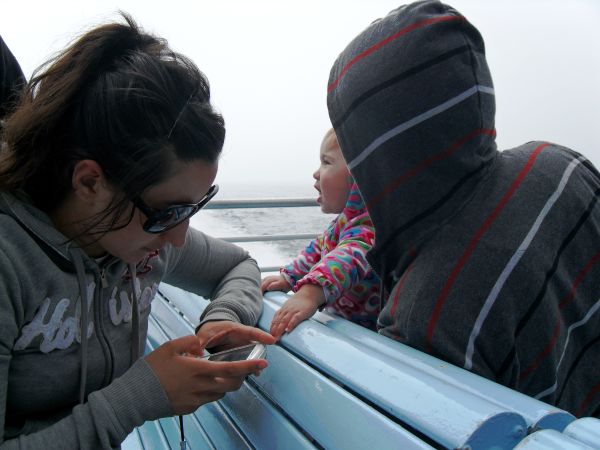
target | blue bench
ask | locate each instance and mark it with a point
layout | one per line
(332, 384)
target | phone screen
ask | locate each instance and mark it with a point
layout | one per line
(235, 354)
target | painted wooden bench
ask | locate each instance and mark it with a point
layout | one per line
(334, 385)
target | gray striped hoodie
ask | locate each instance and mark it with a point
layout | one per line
(492, 258)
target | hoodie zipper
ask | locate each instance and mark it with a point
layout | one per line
(103, 281)
(100, 327)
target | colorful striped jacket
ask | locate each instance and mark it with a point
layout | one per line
(337, 261)
(492, 259)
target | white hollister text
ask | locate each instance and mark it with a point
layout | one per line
(59, 330)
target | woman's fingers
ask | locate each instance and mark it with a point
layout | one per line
(236, 333)
(228, 369)
(222, 335)
(184, 345)
(212, 339)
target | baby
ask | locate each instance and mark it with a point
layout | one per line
(332, 272)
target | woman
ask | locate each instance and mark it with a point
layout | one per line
(112, 148)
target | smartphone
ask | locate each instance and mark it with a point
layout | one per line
(250, 351)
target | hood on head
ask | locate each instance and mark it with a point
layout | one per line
(412, 103)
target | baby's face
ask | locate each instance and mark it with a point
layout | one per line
(333, 180)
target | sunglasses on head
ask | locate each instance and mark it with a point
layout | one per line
(161, 220)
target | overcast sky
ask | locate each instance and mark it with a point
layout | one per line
(268, 63)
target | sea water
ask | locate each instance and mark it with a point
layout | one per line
(263, 221)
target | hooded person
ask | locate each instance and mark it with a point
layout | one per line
(491, 258)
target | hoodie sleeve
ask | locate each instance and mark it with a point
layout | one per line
(107, 418)
(346, 264)
(220, 271)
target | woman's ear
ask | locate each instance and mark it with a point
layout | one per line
(88, 180)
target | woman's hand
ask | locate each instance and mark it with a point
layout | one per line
(275, 283)
(300, 306)
(225, 334)
(190, 381)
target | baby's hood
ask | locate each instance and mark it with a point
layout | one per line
(412, 104)
(355, 205)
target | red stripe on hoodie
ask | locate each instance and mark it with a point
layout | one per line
(568, 298)
(580, 276)
(586, 401)
(401, 283)
(473, 243)
(386, 41)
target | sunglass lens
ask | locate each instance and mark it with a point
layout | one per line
(170, 217)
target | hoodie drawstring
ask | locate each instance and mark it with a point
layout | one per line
(85, 321)
(135, 317)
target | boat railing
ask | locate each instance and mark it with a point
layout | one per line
(264, 203)
(261, 203)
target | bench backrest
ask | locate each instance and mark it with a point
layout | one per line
(332, 384)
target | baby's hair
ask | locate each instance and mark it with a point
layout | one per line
(118, 96)
(328, 133)
(331, 138)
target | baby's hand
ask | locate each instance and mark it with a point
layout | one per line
(300, 306)
(275, 283)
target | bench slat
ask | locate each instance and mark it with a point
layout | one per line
(190, 305)
(152, 436)
(586, 430)
(333, 417)
(551, 440)
(264, 426)
(133, 441)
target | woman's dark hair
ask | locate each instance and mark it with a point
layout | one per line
(120, 97)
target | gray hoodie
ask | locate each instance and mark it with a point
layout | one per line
(59, 391)
(492, 259)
